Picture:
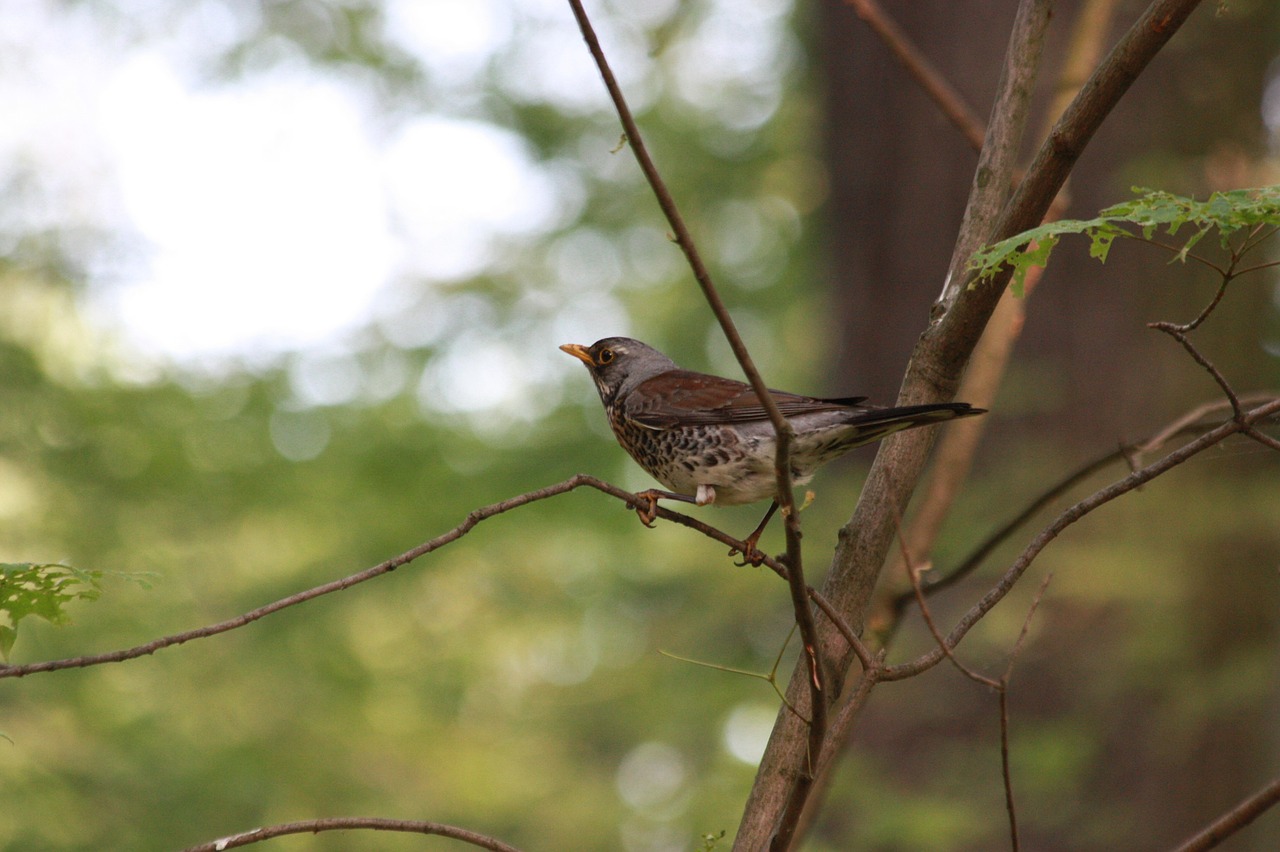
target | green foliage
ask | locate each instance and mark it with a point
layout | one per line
(502, 682)
(42, 590)
(1141, 218)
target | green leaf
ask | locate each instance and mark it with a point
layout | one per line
(27, 588)
(1144, 217)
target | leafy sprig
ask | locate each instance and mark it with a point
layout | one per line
(1143, 217)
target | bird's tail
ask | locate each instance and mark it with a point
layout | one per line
(875, 423)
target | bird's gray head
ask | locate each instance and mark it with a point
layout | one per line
(618, 364)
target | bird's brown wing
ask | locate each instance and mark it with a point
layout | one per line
(685, 398)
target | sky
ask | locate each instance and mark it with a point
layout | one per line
(224, 221)
(261, 215)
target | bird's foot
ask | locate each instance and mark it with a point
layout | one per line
(648, 513)
(751, 555)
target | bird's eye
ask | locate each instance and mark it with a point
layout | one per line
(605, 356)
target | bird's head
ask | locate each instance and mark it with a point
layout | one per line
(618, 364)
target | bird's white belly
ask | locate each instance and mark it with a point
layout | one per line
(748, 478)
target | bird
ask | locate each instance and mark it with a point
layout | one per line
(709, 440)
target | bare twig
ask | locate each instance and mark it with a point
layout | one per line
(1178, 333)
(469, 523)
(934, 82)
(782, 429)
(1178, 251)
(771, 678)
(1001, 685)
(1069, 517)
(389, 565)
(315, 826)
(1192, 418)
(1261, 438)
(1005, 770)
(913, 572)
(1191, 421)
(1234, 819)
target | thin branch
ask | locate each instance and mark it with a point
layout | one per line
(934, 82)
(995, 539)
(1234, 819)
(1257, 237)
(771, 678)
(683, 237)
(1178, 333)
(1264, 439)
(471, 520)
(1005, 769)
(469, 523)
(1005, 773)
(1184, 424)
(1228, 275)
(1177, 250)
(913, 572)
(315, 826)
(1001, 685)
(1190, 419)
(1069, 517)
(1258, 267)
(782, 428)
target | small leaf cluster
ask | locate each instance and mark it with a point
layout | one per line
(1143, 217)
(44, 590)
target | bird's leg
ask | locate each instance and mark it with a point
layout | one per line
(751, 555)
(647, 514)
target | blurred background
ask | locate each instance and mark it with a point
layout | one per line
(281, 285)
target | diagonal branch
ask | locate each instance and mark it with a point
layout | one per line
(1179, 333)
(1189, 422)
(933, 374)
(1234, 819)
(931, 80)
(958, 445)
(1070, 516)
(468, 523)
(773, 809)
(782, 429)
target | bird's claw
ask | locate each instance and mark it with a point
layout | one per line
(751, 555)
(647, 514)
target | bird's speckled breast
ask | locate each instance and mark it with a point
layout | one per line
(682, 458)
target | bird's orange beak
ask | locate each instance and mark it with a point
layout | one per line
(578, 351)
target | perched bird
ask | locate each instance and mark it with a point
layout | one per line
(709, 439)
